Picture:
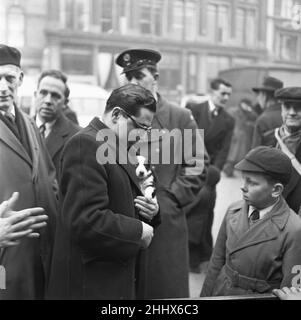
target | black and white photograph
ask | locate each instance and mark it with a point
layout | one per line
(150, 150)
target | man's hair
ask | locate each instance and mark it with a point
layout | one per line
(58, 75)
(131, 101)
(137, 74)
(215, 83)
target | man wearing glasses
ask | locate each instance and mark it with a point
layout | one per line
(178, 181)
(105, 223)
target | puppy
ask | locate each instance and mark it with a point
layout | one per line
(146, 179)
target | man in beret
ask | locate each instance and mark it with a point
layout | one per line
(288, 139)
(178, 181)
(26, 167)
(258, 244)
(100, 234)
(271, 117)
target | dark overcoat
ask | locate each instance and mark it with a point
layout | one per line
(265, 124)
(33, 176)
(178, 185)
(218, 132)
(254, 259)
(62, 130)
(98, 236)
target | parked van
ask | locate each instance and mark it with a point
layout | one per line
(243, 79)
(86, 100)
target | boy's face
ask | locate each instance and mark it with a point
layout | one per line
(257, 191)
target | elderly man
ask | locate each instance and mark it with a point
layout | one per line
(26, 167)
(50, 98)
(100, 235)
(178, 181)
(288, 139)
(271, 117)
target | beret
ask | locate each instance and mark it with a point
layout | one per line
(131, 95)
(9, 55)
(135, 59)
(289, 94)
(269, 84)
(270, 161)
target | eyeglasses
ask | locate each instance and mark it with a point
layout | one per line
(136, 123)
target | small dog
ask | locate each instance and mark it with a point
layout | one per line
(146, 179)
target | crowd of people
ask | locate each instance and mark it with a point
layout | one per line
(75, 224)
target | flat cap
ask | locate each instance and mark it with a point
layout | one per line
(9, 55)
(270, 84)
(270, 161)
(135, 59)
(132, 95)
(289, 94)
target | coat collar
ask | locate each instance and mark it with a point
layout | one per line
(98, 125)
(13, 142)
(264, 230)
(56, 138)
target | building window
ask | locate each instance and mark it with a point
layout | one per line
(77, 15)
(145, 16)
(246, 30)
(170, 71)
(287, 47)
(177, 20)
(77, 61)
(158, 17)
(192, 73)
(215, 64)
(190, 20)
(218, 22)
(15, 26)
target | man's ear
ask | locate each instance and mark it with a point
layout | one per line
(21, 76)
(115, 114)
(277, 190)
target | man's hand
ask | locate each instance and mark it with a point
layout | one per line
(147, 234)
(288, 294)
(148, 208)
(15, 225)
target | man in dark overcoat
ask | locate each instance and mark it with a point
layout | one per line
(100, 232)
(218, 128)
(271, 116)
(178, 181)
(25, 167)
(50, 97)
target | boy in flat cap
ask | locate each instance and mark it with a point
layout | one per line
(271, 117)
(258, 244)
(178, 182)
(26, 167)
(288, 139)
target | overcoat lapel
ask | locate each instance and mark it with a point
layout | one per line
(55, 139)
(262, 231)
(128, 168)
(11, 141)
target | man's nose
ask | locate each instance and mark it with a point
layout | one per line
(47, 98)
(3, 85)
(291, 111)
(243, 189)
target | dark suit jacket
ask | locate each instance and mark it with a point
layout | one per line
(99, 233)
(62, 130)
(265, 124)
(217, 132)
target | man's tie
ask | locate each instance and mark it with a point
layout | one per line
(254, 216)
(42, 130)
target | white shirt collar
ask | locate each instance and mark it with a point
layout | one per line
(12, 111)
(262, 212)
(212, 106)
(48, 125)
